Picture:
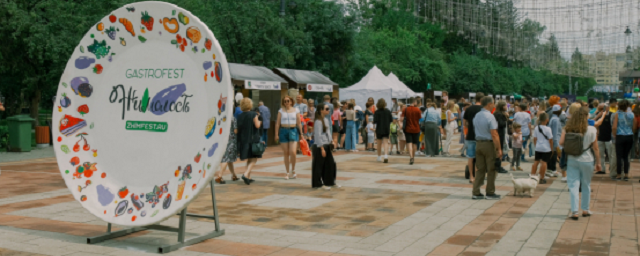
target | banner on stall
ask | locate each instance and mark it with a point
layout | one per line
(262, 85)
(319, 88)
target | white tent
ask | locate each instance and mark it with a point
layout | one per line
(400, 90)
(375, 84)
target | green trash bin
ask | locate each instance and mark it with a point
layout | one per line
(20, 133)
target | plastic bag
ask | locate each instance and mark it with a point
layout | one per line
(304, 147)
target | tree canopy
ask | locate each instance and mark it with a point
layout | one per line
(340, 41)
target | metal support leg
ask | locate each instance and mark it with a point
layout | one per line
(215, 206)
(182, 225)
(181, 230)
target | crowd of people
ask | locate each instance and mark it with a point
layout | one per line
(579, 138)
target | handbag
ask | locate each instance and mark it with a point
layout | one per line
(304, 147)
(423, 124)
(257, 148)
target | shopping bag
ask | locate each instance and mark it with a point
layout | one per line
(304, 147)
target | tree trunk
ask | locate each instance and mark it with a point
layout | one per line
(35, 106)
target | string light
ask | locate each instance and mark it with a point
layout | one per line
(507, 28)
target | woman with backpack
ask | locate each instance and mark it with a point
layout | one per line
(580, 145)
(622, 131)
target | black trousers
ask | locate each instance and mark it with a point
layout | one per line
(551, 164)
(323, 169)
(623, 148)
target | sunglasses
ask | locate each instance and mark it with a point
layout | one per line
(287, 101)
(326, 109)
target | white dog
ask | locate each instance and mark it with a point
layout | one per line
(524, 184)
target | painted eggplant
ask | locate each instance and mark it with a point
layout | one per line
(167, 202)
(121, 209)
(143, 213)
(65, 101)
(166, 97)
(218, 72)
(83, 62)
(137, 203)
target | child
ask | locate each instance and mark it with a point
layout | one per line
(370, 131)
(393, 137)
(517, 146)
(310, 132)
(542, 139)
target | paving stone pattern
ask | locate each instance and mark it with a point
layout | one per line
(381, 209)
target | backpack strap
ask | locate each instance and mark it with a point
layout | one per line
(540, 130)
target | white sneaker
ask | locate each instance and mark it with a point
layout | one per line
(326, 188)
(379, 159)
(564, 180)
(420, 153)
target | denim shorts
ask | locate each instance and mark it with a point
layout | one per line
(471, 148)
(288, 135)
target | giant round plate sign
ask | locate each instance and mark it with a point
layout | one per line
(142, 113)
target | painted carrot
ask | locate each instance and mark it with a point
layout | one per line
(128, 26)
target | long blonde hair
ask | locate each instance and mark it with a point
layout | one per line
(573, 108)
(578, 123)
(451, 105)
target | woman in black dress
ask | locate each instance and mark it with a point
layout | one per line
(248, 131)
(382, 120)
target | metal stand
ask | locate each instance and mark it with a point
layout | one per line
(180, 230)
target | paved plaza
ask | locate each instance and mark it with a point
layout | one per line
(381, 209)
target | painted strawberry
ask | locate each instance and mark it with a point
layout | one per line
(197, 158)
(123, 192)
(147, 21)
(207, 44)
(84, 109)
(97, 69)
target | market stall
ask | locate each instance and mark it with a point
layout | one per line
(311, 84)
(375, 84)
(400, 90)
(260, 84)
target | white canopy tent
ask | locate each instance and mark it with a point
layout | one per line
(375, 84)
(400, 90)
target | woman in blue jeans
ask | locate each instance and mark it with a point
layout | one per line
(622, 131)
(580, 168)
(350, 116)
